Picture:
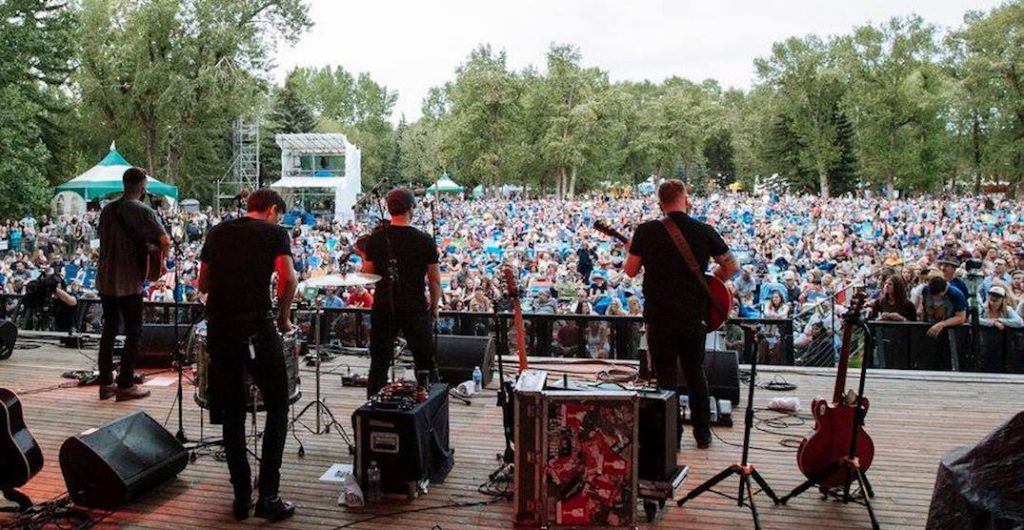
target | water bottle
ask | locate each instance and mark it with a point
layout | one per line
(478, 379)
(373, 494)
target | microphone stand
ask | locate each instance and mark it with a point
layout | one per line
(177, 340)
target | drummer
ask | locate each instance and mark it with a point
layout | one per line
(237, 263)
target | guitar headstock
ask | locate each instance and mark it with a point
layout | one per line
(511, 284)
(857, 303)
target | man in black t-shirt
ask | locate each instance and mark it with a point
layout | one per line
(237, 263)
(406, 260)
(675, 304)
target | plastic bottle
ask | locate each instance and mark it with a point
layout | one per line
(478, 379)
(373, 492)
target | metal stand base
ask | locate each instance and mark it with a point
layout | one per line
(745, 497)
(862, 496)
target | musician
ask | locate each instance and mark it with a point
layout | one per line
(406, 259)
(126, 228)
(236, 265)
(675, 304)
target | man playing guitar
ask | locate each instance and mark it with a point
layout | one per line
(133, 246)
(675, 303)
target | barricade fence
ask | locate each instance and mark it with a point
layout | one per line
(895, 345)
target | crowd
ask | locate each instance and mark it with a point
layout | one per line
(799, 255)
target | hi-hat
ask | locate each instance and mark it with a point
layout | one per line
(341, 280)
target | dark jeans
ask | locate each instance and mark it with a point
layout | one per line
(416, 329)
(669, 347)
(230, 359)
(118, 310)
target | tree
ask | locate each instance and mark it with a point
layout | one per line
(36, 53)
(810, 88)
(991, 73)
(896, 100)
(169, 78)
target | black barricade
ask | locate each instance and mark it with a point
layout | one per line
(907, 346)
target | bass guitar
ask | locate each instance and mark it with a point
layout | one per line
(721, 298)
(20, 455)
(829, 443)
(512, 289)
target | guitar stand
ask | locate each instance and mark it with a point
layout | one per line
(745, 470)
(16, 496)
(849, 462)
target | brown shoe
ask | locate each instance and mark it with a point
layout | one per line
(126, 394)
(108, 391)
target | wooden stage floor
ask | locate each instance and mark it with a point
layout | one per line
(914, 418)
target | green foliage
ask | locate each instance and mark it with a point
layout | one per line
(36, 57)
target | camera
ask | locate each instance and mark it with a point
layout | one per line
(974, 267)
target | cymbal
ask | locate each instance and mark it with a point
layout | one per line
(341, 280)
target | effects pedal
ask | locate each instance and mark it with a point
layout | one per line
(721, 411)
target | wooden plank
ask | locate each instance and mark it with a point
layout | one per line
(914, 418)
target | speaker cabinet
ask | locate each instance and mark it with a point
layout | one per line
(117, 462)
(659, 434)
(457, 355)
(723, 372)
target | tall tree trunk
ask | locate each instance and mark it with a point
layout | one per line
(561, 184)
(823, 182)
(572, 182)
(976, 149)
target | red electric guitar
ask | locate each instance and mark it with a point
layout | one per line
(721, 298)
(830, 441)
(20, 456)
(512, 286)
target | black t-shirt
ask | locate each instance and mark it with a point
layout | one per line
(414, 251)
(239, 256)
(672, 296)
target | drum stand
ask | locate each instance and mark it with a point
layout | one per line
(744, 469)
(204, 447)
(319, 405)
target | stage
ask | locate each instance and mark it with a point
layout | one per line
(914, 418)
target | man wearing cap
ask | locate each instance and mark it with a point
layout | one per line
(948, 263)
(1000, 274)
(406, 260)
(942, 304)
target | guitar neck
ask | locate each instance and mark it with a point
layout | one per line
(517, 318)
(844, 361)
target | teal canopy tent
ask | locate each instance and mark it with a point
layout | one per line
(105, 178)
(445, 185)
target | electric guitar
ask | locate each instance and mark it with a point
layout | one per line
(721, 298)
(512, 289)
(833, 422)
(20, 455)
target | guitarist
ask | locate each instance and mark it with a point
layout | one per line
(129, 233)
(675, 303)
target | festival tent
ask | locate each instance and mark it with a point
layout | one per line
(105, 178)
(445, 185)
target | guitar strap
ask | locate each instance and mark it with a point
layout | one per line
(691, 262)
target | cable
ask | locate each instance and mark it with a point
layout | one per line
(773, 425)
(419, 510)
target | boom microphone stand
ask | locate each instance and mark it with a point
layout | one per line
(744, 469)
(850, 462)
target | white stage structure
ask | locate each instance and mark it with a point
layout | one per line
(320, 163)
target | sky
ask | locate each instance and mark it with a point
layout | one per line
(413, 45)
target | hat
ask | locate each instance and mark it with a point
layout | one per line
(997, 290)
(948, 259)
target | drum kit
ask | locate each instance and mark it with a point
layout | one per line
(198, 351)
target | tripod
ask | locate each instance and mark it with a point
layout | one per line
(319, 405)
(744, 469)
(850, 463)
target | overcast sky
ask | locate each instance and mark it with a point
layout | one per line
(410, 46)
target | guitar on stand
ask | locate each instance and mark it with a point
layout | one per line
(718, 293)
(505, 388)
(839, 451)
(20, 455)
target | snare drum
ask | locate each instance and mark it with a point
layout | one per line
(198, 350)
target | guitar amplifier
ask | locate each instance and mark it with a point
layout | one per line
(585, 472)
(411, 447)
(659, 434)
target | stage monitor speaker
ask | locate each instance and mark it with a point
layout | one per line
(157, 347)
(659, 434)
(457, 355)
(8, 336)
(117, 462)
(723, 372)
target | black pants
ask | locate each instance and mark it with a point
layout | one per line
(230, 359)
(415, 327)
(669, 347)
(118, 310)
